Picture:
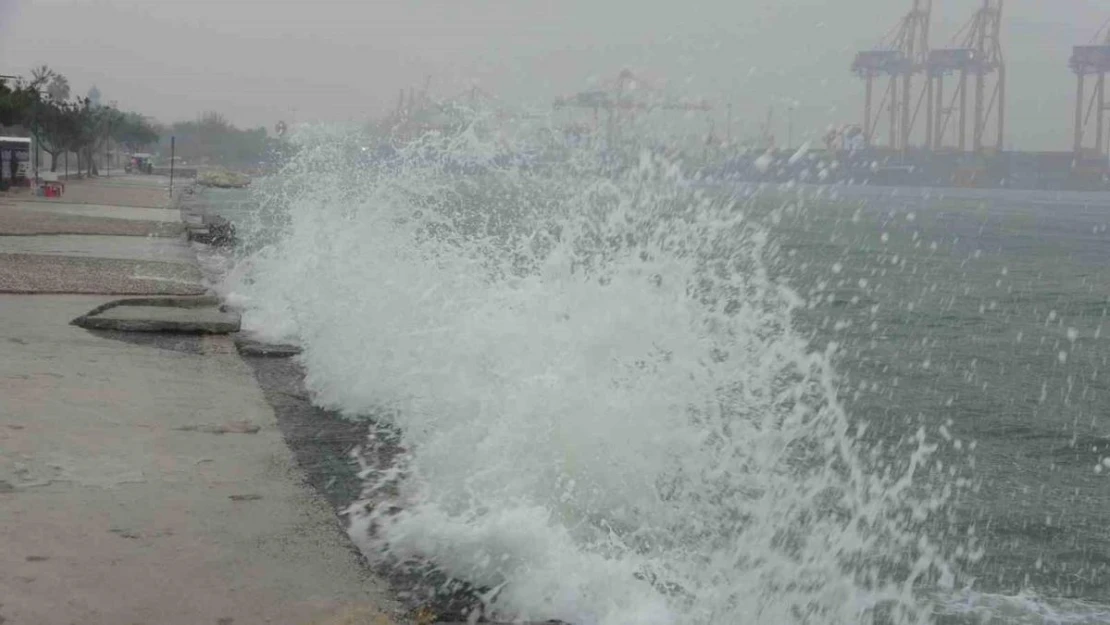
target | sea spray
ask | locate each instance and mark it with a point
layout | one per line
(607, 413)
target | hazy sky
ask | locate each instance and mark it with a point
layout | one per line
(258, 61)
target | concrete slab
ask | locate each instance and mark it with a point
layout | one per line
(163, 319)
(28, 273)
(163, 250)
(121, 506)
(61, 207)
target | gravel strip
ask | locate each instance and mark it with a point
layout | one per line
(15, 222)
(28, 273)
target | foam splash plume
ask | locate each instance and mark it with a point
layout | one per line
(608, 414)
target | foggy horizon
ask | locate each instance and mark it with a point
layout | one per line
(334, 60)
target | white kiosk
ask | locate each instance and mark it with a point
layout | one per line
(15, 161)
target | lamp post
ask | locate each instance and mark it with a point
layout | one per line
(790, 126)
(108, 149)
(173, 142)
(108, 141)
(728, 126)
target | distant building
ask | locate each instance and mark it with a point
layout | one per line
(94, 97)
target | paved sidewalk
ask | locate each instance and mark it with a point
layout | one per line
(145, 481)
(26, 217)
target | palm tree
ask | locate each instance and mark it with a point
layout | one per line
(42, 75)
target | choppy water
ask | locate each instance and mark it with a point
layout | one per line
(628, 400)
(988, 315)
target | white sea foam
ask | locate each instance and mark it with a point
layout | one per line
(608, 413)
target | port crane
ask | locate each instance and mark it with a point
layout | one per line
(976, 54)
(622, 97)
(900, 57)
(1091, 60)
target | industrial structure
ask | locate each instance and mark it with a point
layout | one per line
(418, 112)
(898, 60)
(622, 99)
(979, 57)
(949, 129)
(1091, 60)
(903, 56)
(932, 116)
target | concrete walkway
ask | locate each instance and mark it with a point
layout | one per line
(148, 483)
(151, 249)
(68, 207)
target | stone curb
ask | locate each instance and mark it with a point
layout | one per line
(93, 321)
(249, 347)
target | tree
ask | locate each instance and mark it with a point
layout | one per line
(51, 119)
(92, 131)
(58, 88)
(56, 127)
(84, 135)
(214, 121)
(91, 127)
(17, 102)
(132, 130)
(60, 124)
(42, 75)
(212, 138)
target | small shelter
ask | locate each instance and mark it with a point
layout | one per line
(15, 161)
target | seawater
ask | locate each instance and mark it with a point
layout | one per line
(629, 396)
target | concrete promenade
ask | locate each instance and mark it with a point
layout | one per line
(144, 483)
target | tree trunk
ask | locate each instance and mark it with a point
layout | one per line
(53, 161)
(78, 163)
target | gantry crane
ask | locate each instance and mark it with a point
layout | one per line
(978, 54)
(623, 97)
(1091, 60)
(902, 55)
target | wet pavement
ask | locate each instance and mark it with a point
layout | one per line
(43, 273)
(150, 249)
(17, 219)
(100, 252)
(59, 207)
(143, 476)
